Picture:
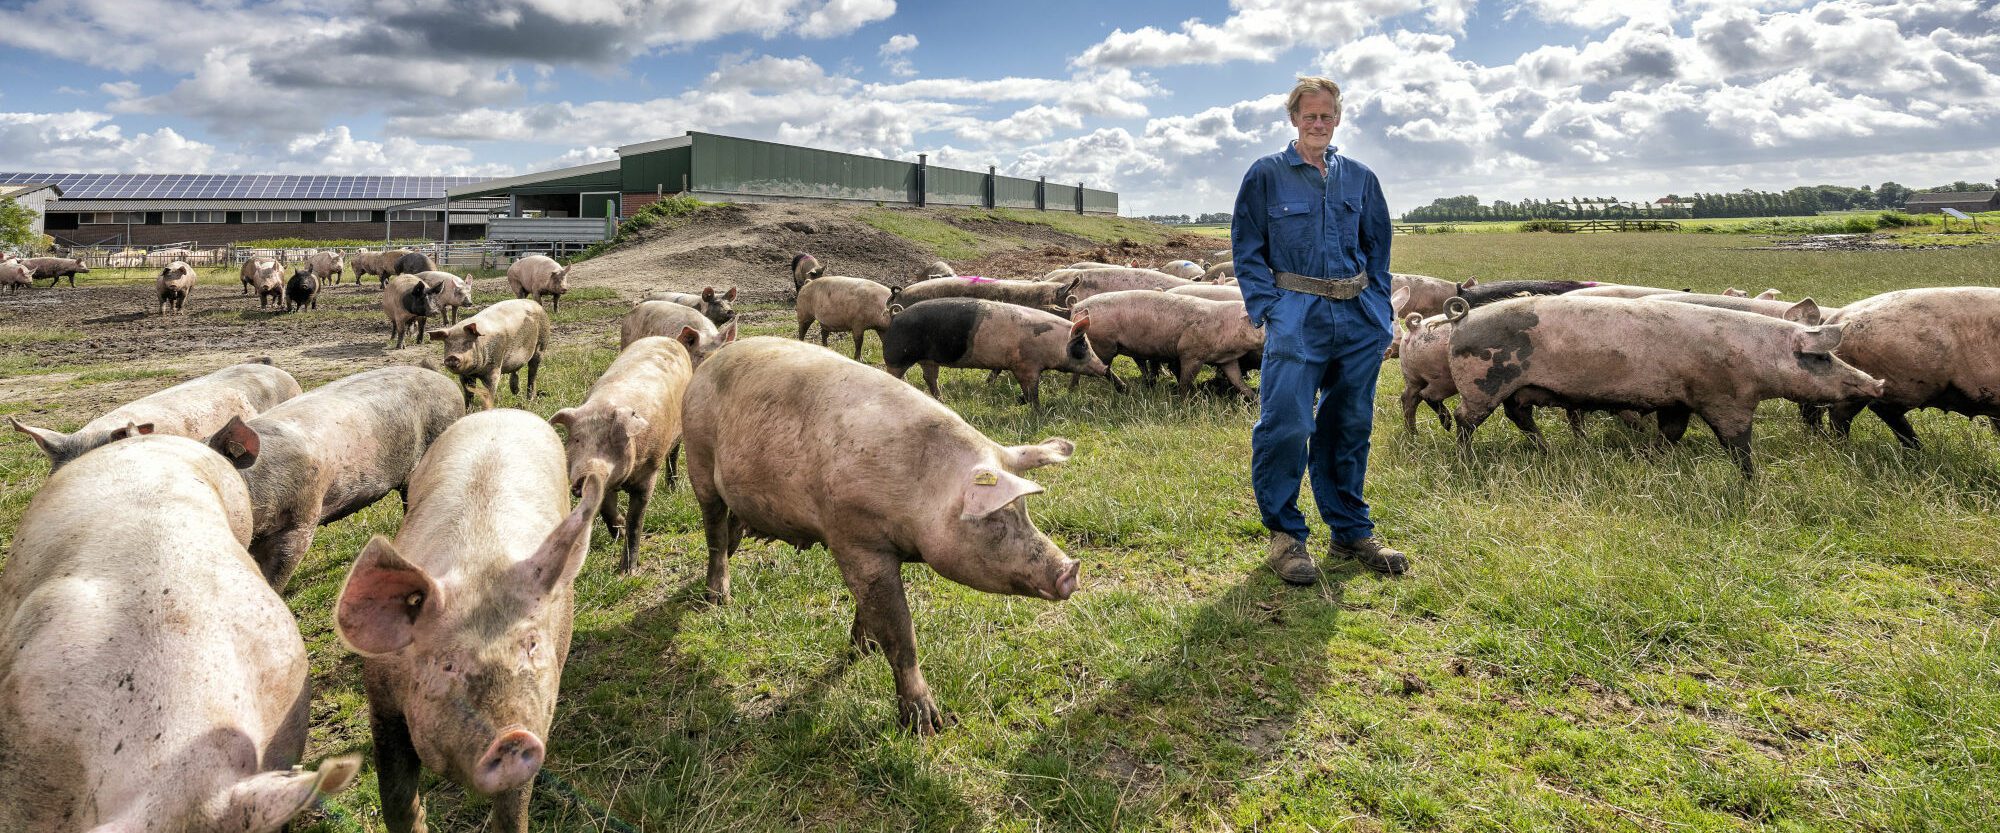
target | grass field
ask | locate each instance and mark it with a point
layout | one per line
(1605, 637)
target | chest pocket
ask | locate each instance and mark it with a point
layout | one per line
(1291, 229)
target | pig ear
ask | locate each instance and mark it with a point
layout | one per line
(635, 424)
(729, 333)
(132, 429)
(1080, 326)
(1806, 312)
(989, 490)
(1399, 298)
(382, 599)
(690, 338)
(895, 291)
(1469, 283)
(51, 442)
(237, 443)
(267, 800)
(436, 334)
(730, 295)
(1047, 452)
(472, 328)
(708, 294)
(1733, 292)
(564, 417)
(895, 310)
(1817, 340)
(560, 557)
(1769, 294)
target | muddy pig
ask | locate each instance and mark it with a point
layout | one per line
(13, 276)
(268, 280)
(327, 266)
(1673, 359)
(1216, 272)
(409, 303)
(1190, 331)
(678, 322)
(175, 284)
(153, 682)
(463, 622)
(1050, 297)
(933, 269)
(302, 290)
(539, 275)
(256, 266)
(775, 448)
(968, 332)
(502, 338)
(331, 452)
(1932, 348)
(194, 409)
(451, 291)
(805, 267)
(846, 305)
(718, 307)
(55, 269)
(627, 429)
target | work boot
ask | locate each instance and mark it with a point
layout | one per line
(1290, 560)
(1373, 553)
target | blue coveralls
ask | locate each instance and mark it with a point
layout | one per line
(1316, 350)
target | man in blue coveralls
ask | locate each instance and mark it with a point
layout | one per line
(1311, 244)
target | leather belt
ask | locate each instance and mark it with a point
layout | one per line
(1337, 288)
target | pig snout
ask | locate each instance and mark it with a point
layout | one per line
(1060, 582)
(451, 362)
(509, 761)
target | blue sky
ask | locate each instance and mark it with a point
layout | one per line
(1164, 101)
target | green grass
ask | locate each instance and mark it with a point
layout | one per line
(1603, 637)
(1096, 228)
(17, 336)
(943, 230)
(946, 240)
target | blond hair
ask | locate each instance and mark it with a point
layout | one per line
(1309, 84)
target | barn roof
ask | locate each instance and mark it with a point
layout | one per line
(1952, 197)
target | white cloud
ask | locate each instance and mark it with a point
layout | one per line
(87, 141)
(1256, 30)
(336, 151)
(895, 54)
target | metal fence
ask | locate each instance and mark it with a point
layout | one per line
(476, 254)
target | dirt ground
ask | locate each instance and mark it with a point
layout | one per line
(78, 352)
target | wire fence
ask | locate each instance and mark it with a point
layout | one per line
(474, 254)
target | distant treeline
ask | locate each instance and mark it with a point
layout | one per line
(1802, 201)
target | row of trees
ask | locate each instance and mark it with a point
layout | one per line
(1802, 201)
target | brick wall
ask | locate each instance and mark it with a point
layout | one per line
(629, 204)
(220, 233)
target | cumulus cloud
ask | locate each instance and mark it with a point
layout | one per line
(336, 151)
(88, 141)
(1257, 30)
(895, 54)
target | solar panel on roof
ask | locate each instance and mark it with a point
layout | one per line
(239, 186)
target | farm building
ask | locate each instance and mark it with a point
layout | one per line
(578, 200)
(149, 209)
(33, 196)
(1966, 201)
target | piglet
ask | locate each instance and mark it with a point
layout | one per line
(149, 679)
(627, 428)
(463, 622)
(502, 338)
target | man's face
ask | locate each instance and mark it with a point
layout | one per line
(1315, 120)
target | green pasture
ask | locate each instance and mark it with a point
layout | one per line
(1608, 636)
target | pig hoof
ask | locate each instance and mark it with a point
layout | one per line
(921, 715)
(715, 598)
(863, 646)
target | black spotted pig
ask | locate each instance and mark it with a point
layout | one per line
(718, 307)
(1050, 297)
(194, 409)
(679, 322)
(1674, 359)
(845, 305)
(463, 621)
(627, 429)
(1932, 348)
(409, 303)
(1165, 326)
(331, 452)
(502, 338)
(794, 442)
(149, 679)
(452, 292)
(968, 332)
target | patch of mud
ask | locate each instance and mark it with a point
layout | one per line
(1845, 243)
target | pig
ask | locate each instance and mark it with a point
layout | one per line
(1085, 283)
(409, 303)
(1933, 348)
(626, 430)
(327, 266)
(1480, 294)
(1215, 273)
(13, 276)
(463, 621)
(153, 682)
(1733, 292)
(267, 278)
(1163, 325)
(933, 269)
(1613, 290)
(539, 275)
(1768, 295)
(679, 322)
(969, 332)
(302, 290)
(1812, 313)
(719, 308)
(848, 305)
(193, 409)
(1674, 359)
(329, 453)
(805, 267)
(1209, 291)
(774, 449)
(1094, 264)
(1184, 269)
(55, 269)
(380, 264)
(451, 291)
(414, 263)
(1424, 354)
(175, 284)
(502, 338)
(1421, 294)
(1052, 298)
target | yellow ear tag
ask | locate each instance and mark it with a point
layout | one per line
(986, 478)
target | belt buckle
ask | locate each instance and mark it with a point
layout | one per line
(1347, 289)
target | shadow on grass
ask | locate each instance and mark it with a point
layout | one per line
(1179, 737)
